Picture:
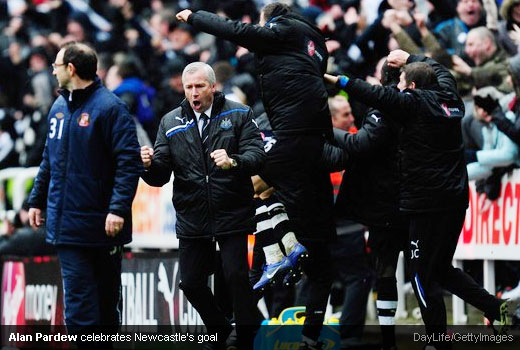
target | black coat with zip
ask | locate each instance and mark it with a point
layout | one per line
(291, 58)
(209, 201)
(433, 170)
(369, 192)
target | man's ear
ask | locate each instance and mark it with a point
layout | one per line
(71, 68)
(412, 85)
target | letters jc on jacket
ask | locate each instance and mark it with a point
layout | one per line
(209, 201)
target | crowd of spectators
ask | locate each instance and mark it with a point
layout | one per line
(143, 50)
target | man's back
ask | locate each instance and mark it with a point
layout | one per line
(291, 59)
(432, 165)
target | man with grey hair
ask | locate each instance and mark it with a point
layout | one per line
(213, 146)
(291, 58)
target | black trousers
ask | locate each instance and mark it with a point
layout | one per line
(433, 239)
(196, 260)
(302, 185)
(386, 243)
(320, 274)
(92, 290)
(353, 271)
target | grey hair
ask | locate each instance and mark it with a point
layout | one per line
(197, 66)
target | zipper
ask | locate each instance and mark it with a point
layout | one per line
(66, 145)
(205, 162)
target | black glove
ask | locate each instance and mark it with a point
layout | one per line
(487, 103)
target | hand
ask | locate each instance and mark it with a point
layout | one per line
(403, 18)
(259, 184)
(35, 218)
(183, 15)
(241, 51)
(420, 19)
(397, 58)
(330, 79)
(221, 159)
(326, 23)
(389, 17)
(113, 224)
(332, 45)
(515, 34)
(146, 156)
(487, 103)
(481, 115)
(460, 66)
(351, 16)
(336, 12)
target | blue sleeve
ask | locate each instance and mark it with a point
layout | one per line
(126, 153)
(38, 196)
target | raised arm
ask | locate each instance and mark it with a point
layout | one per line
(253, 37)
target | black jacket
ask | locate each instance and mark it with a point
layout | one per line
(291, 58)
(433, 171)
(209, 201)
(369, 192)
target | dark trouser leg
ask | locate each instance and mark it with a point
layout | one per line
(460, 283)
(353, 312)
(80, 289)
(351, 263)
(92, 283)
(196, 258)
(108, 268)
(427, 253)
(279, 298)
(233, 251)
(386, 244)
(439, 243)
(319, 274)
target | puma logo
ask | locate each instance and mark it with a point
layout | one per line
(376, 118)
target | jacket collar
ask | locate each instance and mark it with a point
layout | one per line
(81, 95)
